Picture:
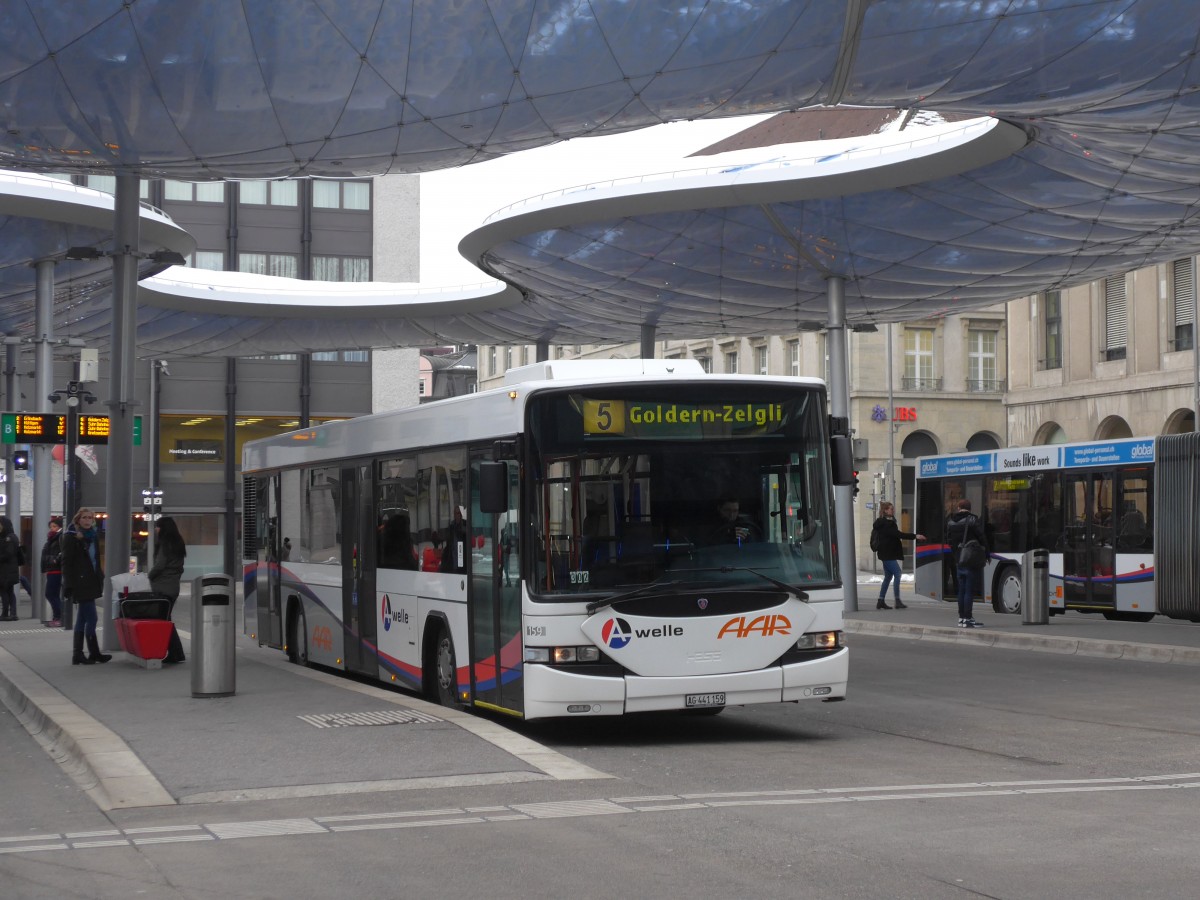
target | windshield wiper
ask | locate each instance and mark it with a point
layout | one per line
(628, 595)
(783, 585)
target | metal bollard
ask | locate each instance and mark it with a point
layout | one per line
(213, 613)
(1035, 588)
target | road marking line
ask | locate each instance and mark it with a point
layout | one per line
(434, 818)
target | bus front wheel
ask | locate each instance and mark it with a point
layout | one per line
(298, 640)
(1007, 596)
(445, 669)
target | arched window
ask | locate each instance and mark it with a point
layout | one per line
(1113, 427)
(919, 443)
(981, 440)
(1050, 433)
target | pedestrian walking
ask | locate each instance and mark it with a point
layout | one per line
(968, 548)
(885, 541)
(52, 569)
(10, 570)
(83, 583)
(170, 551)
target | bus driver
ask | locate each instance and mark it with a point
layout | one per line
(731, 526)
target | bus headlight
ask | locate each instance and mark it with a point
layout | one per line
(560, 655)
(820, 640)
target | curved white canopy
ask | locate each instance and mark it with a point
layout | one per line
(1105, 179)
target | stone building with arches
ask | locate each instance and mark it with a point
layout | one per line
(1110, 358)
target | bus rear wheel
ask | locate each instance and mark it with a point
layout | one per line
(1006, 598)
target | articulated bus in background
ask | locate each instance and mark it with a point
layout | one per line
(1092, 506)
(554, 547)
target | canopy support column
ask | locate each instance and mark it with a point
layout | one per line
(43, 380)
(839, 406)
(118, 481)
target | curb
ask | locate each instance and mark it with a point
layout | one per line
(95, 757)
(1156, 653)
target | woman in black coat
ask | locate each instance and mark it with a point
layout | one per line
(83, 583)
(885, 540)
(10, 570)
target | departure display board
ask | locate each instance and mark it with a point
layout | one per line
(34, 428)
(51, 428)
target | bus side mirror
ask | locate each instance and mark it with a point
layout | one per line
(841, 457)
(493, 487)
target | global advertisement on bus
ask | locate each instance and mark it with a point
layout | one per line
(1090, 505)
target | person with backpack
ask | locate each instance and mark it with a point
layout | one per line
(52, 569)
(968, 548)
(885, 541)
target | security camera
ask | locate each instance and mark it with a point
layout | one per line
(162, 367)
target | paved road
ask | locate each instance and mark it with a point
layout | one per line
(953, 769)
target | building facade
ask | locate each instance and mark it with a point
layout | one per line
(1111, 358)
(312, 229)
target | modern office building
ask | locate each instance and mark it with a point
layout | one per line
(207, 407)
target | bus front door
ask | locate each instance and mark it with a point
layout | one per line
(494, 605)
(1087, 541)
(358, 570)
(267, 592)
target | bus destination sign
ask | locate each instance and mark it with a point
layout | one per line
(630, 418)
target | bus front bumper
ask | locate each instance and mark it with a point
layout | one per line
(551, 692)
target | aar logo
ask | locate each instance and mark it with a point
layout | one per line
(387, 613)
(616, 633)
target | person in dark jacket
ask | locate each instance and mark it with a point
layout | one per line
(170, 551)
(10, 570)
(887, 537)
(962, 526)
(52, 569)
(83, 583)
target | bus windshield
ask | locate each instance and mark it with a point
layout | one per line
(718, 484)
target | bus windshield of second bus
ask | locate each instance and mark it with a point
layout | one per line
(718, 483)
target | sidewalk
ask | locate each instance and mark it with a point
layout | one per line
(1159, 640)
(134, 737)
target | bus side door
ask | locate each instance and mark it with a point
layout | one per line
(268, 573)
(494, 605)
(358, 570)
(1087, 542)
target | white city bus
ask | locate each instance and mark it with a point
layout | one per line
(1091, 506)
(553, 548)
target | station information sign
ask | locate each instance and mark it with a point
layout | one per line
(51, 428)
(34, 428)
